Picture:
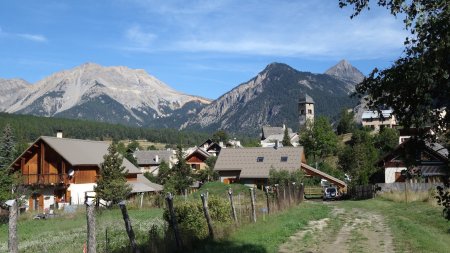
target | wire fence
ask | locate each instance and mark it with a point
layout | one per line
(145, 225)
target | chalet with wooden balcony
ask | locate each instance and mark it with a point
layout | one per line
(60, 171)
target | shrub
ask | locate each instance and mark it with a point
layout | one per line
(191, 219)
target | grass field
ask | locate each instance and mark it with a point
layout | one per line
(67, 234)
(416, 226)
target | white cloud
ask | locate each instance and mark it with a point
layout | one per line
(32, 37)
(26, 36)
(274, 28)
(138, 37)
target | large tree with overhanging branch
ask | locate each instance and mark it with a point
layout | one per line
(417, 85)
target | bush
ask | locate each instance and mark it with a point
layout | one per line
(191, 219)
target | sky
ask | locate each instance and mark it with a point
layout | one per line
(202, 48)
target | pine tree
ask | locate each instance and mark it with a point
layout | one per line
(286, 140)
(112, 185)
(7, 153)
(7, 147)
(181, 175)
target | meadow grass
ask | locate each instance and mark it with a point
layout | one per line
(67, 233)
(416, 226)
(268, 235)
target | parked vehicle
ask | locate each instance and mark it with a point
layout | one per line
(330, 193)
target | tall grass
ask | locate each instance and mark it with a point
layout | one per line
(410, 196)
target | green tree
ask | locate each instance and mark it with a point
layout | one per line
(319, 140)
(220, 136)
(180, 176)
(163, 174)
(417, 85)
(286, 139)
(386, 140)
(359, 157)
(112, 185)
(346, 122)
(7, 155)
(151, 147)
(208, 174)
(7, 147)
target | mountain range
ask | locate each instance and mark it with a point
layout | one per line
(133, 97)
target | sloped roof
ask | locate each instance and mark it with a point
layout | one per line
(269, 131)
(439, 149)
(83, 152)
(279, 137)
(305, 99)
(200, 151)
(149, 156)
(144, 185)
(245, 160)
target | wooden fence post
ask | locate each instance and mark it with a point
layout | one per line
(128, 227)
(233, 209)
(277, 196)
(13, 244)
(173, 220)
(206, 212)
(302, 192)
(267, 200)
(90, 217)
(252, 197)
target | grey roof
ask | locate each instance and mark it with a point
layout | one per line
(144, 185)
(438, 148)
(268, 131)
(83, 152)
(305, 99)
(433, 170)
(280, 137)
(244, 159)
(149, 156)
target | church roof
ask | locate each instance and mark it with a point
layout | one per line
(305, 99)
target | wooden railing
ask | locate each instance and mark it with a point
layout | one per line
(44, 178)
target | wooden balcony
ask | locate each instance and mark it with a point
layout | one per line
(44, 179)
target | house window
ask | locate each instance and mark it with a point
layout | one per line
(302, 112)
(284, 159)
(260, 159)
(309, 111)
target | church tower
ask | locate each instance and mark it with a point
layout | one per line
(305, 110)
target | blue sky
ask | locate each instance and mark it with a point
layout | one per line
(198, 47)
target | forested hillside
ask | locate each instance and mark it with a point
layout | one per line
(28, 128)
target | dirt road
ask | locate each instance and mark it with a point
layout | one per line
(352, 230)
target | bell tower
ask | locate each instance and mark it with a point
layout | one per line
(305, 110)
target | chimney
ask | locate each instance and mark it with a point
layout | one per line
(156, 158)
(277, 144)
(59, 134)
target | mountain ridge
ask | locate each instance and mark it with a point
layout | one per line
(135, 90)
(118, 94)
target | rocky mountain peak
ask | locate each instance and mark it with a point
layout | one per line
(344, 71)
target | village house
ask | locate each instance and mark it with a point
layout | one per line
(149, 160)
(60, 171)
(271, 135)
(430, 163)
(377, 121)
(196, 157)
(251, 166)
